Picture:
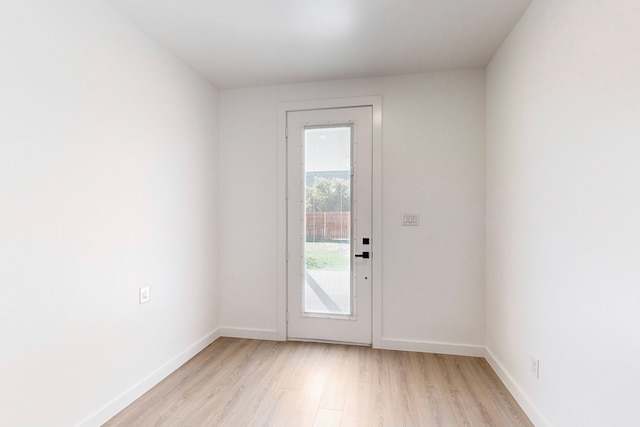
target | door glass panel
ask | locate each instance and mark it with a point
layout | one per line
(327, 221)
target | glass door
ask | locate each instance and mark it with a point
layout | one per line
(329, 224)
(327, 220)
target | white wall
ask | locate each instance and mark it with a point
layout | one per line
(563, 211)
(108, 158)
(433, 163)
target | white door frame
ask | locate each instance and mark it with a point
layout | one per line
(376, 231)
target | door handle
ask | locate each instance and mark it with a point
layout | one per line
(362, 255)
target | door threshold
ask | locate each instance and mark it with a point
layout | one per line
(359, 344)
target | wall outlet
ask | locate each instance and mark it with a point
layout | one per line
(534, 366)
(145, 296)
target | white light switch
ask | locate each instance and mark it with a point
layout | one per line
(410, 219)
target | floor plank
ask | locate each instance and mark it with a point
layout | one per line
(240, 382)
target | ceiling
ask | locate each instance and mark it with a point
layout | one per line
(242, 43)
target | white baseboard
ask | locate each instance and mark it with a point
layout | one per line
(254, 334)
(525, 403)
(430, 347)
(130, 395)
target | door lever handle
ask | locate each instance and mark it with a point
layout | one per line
(362, 255)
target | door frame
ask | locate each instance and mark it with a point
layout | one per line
(376, 221)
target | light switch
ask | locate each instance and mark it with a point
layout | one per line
(410, 219)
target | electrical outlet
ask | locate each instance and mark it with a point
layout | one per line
(145, 296)
(535, 367)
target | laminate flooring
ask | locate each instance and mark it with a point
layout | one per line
(239, 382)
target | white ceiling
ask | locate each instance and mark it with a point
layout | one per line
(240, 43)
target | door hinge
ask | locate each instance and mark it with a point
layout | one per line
(286, 131)
(286, 317)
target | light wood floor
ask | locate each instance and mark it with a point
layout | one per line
(238, 382)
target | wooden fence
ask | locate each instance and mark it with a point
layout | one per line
(328, 226)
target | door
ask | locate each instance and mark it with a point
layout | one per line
(329, 173)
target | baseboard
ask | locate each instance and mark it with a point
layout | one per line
(525, 403)
(254, 334)
(430, 347)
(130, 395)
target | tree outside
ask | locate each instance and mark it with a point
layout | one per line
(328, 195)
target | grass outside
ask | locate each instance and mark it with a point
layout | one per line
(327, 256)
